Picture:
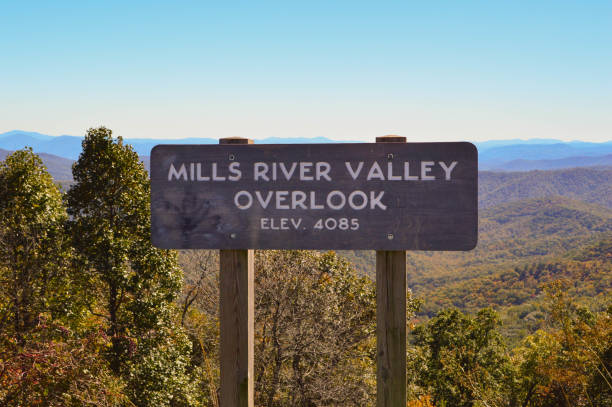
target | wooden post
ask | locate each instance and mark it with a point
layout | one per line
(391, 320)
(236, 317)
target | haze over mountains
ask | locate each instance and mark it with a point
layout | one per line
(495, 155)
(70, 146)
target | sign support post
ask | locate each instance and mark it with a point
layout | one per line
(236, 318)
(390, 320)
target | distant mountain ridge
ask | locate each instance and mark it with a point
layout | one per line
(489, 144)
(70, 146)
(504, 155)
(32, 134)
(568, 162)
(60, 168)
(507, 153)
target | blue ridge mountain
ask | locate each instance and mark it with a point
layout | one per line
(568, 162)
(70, 146)
(508, 155)
(492, 157)
(60, 168)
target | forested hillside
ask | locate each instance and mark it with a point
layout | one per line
(92, 315)
(590, 270)
(517, 292)
(592, 185)
(517, 233)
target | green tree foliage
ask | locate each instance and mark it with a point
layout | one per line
(461, 360)
(34, 254)
(131, 285)
(43, 362)
(522, 246)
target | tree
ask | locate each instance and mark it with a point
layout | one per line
(315, 323)
(34, 251)
(569, 364)
(56, 367)
(200, 318)
(463, 359)
(131, 284)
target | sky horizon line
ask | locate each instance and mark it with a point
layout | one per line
(310, 137)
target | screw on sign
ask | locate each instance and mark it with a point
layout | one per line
(389, 196)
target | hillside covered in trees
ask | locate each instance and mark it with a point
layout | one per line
(533, 227)
(92, 315)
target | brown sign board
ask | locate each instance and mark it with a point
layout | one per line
(379, 196)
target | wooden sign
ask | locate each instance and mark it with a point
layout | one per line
(383, 196)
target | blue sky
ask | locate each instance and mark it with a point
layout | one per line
(438, 70)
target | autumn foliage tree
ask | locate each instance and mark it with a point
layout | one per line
(199, 305)
(570, 363)
(56, 367)
(314, 326)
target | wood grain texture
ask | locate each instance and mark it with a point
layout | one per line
(435, 214)
(391, 321)
(236, 316)
(235, 140)
(391, 328)
(236, 319)
(391, 138)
